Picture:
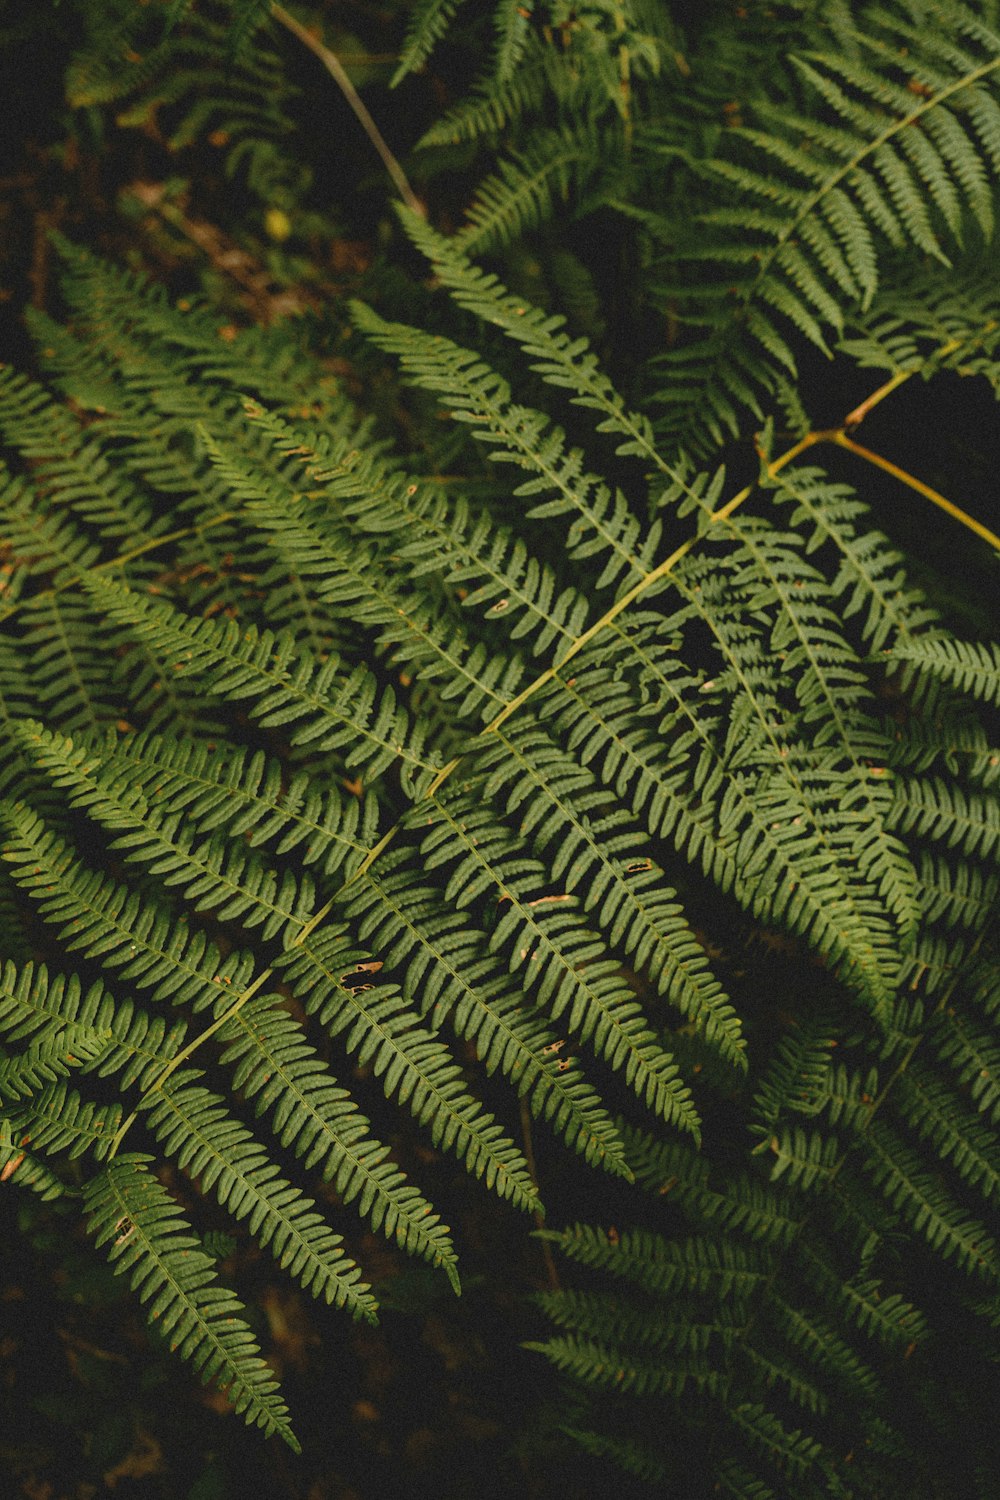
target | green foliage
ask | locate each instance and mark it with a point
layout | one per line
(193, 79)
(893, 142)
(129, 1208)
(329, 775)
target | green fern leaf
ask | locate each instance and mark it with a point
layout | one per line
(971, 666)
(19, 1166)
(194, 1126)
(906, 146)
(450, 971)
(148, 1238)
(564, 958)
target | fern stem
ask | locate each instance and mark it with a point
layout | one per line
(338, 73)
(857, 416)
(186, 1052)
(934, 496)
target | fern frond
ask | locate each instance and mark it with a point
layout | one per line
(511, 22)
(831, 687)
(496, 104)
(969, 821)
(804, 1158)
(115, 1036)
(897, 1171)
(612, 1318)
(846, 1096)
(437, 757)
(672, 1170)
(971, 666)
(342, 570)
(26, 1073)
(796, 1075)
(274, 1063)
(409, 1060)
(58, 1119)
(433, 534)
(870, 582)
(660, 1266)
(629, 1455)
(119, 926)
(148, 1238)
(610, 1367)
(282, 1073)
(561, 360)
(195, 1127)
(243, 793)
(450, 971)
(603, 524)
(971, 1051)
(596, 848)
(429, 21)
(68, 661)
(317, 703)
(793, 1452)
(886, 1317)
(813, 199)
(532, 185)
(198, 68)
(931, 1109)
(818, 1342)
(736, 1480)
(963, 895)
(757, 825)
(239, 886)
(249, 17)
(540, 929)
(71, 470)
(41, 543)
(785, 1373)
(921, 325)
(19, 1166)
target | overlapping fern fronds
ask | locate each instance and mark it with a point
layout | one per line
(493, 870)
(190, 73)
(559, 101)
(894, 145)
(352, 780)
